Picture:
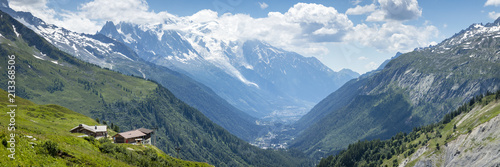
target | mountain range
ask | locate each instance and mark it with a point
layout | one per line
(262, 80)
(235, 84)
(46, 75)
(108, 53)
(414, 89)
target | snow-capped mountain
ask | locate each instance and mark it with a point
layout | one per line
(109, 53)
(96, 49)
(474, 36)
(254, 76)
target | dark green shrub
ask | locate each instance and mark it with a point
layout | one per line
(51, 148)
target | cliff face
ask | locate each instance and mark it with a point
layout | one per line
(480, 147)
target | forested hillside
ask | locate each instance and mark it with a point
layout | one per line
(426, 145)
(109, 53)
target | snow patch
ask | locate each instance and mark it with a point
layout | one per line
(74, 48)
(143, 75)
(121, 54)
(128, 38)
(38, 57)
(14, 27)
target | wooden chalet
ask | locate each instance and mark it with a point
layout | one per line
(96, 131)
(138, 136)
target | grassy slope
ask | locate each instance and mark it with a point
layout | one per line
(482, 113)
(125, 101)
(52, 123)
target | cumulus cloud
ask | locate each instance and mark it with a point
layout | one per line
(494, 15)
(393, 36)
(134, 11)
(263, 5)
(91, 15)
(492, 3)
(400, 9)
(24, 5)
(306, 28)
(359, 10)
(319, 23)
(396, 10)
(302, 28)
(70, 20)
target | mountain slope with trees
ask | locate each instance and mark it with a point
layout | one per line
(43, 139)
(46, 75)
(109, 53)
(465, 137)
(414, 89)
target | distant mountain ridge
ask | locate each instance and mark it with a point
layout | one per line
(109, 53)
(413, 89)
(251, 75)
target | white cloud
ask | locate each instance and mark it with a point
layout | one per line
(314, 17)
(28, 4)
(356, 2)
(492, 3)
(401, 9)
(263, 5)
(393, 36)
(204, 16)
(362, 58)
(396, 10)
(433, 43)
(304, 28)
(134, 11)
(359, 10)
(69, 20)
(494, 15)
(376, 16)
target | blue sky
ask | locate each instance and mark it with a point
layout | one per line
(354, 34)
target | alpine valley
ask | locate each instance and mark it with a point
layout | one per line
(262, 80)
(108, 53)
(46, 75)
(413, 89)
(245, 81)
(208, 96)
